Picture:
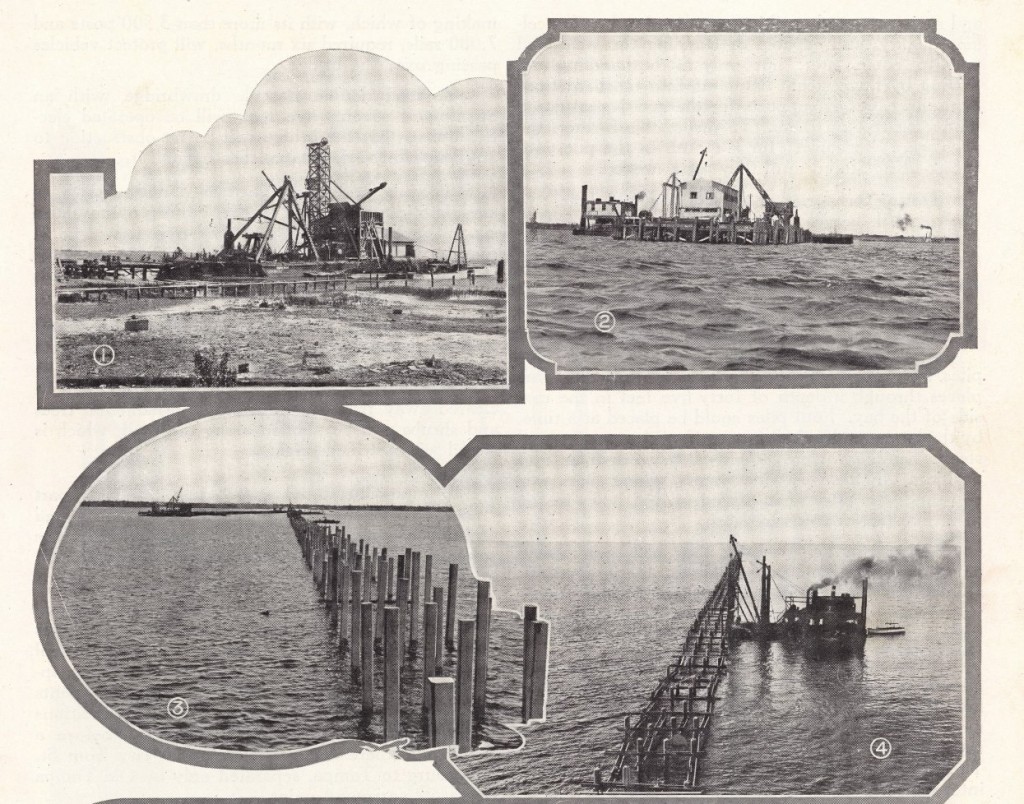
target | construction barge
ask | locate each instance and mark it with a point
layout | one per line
(174, 507)
(700, 211)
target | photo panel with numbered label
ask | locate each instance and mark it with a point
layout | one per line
(260, 585)
(744, 203)
(345, 232)
(633, 615)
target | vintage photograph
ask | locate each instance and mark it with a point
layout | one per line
(743, 202)
(347, 228)
(731, 621)
(270, 582)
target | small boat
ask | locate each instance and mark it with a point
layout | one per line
(889, 629)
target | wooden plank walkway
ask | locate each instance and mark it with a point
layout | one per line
(663, 744)
(206, 289)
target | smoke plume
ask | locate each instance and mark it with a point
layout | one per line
(905, 222)
(920, 563)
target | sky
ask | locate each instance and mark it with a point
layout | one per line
(442, 156)
(859, 130)
(768, 496)
(270, 457)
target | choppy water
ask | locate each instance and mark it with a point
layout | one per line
(785, 724)
(678, 306)
(150, 609)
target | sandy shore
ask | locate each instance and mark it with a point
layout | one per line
(388, 337)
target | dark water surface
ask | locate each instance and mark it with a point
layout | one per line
(148, 609)
(786, 723)
(678, 306)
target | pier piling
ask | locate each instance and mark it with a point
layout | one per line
(354, 642)
(442, 711)
(453, 589)
(414, 604)
(345, 602)
(483, 632)
(439, 630)
(529, 618)
(392, 673)
(464, 686)
(374, 600)
(429, 647)
(366, 674)
(539, 669)
(382, 583)
(332, 580)
(403, 605)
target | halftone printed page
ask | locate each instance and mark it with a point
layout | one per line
(447, 402)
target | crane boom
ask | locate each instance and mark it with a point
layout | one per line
(757, 185)
(700, 164)
(373, 192)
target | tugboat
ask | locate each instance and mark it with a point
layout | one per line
(832, 622)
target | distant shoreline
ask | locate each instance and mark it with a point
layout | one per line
(268, 506)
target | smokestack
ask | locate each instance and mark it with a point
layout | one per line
(583, 208)
(864, 606)
(765, 591)
(229, 237)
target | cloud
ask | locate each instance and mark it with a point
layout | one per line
(442, 155)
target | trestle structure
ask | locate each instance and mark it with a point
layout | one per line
(663, 744)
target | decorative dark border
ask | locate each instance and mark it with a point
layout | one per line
(967, 338)
(444, 474)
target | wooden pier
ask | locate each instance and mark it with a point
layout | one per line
(194, 290)
(701, 230)
(375, 604)
(663, 744)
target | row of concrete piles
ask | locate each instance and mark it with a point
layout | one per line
(375, 601)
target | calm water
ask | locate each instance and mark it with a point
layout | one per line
(679, 306)
(786, 723)
(149, 609)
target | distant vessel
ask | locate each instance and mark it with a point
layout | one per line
(889, 629)
(174, 507)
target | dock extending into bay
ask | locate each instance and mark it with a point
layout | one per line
(390, 616)
(663, 744)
